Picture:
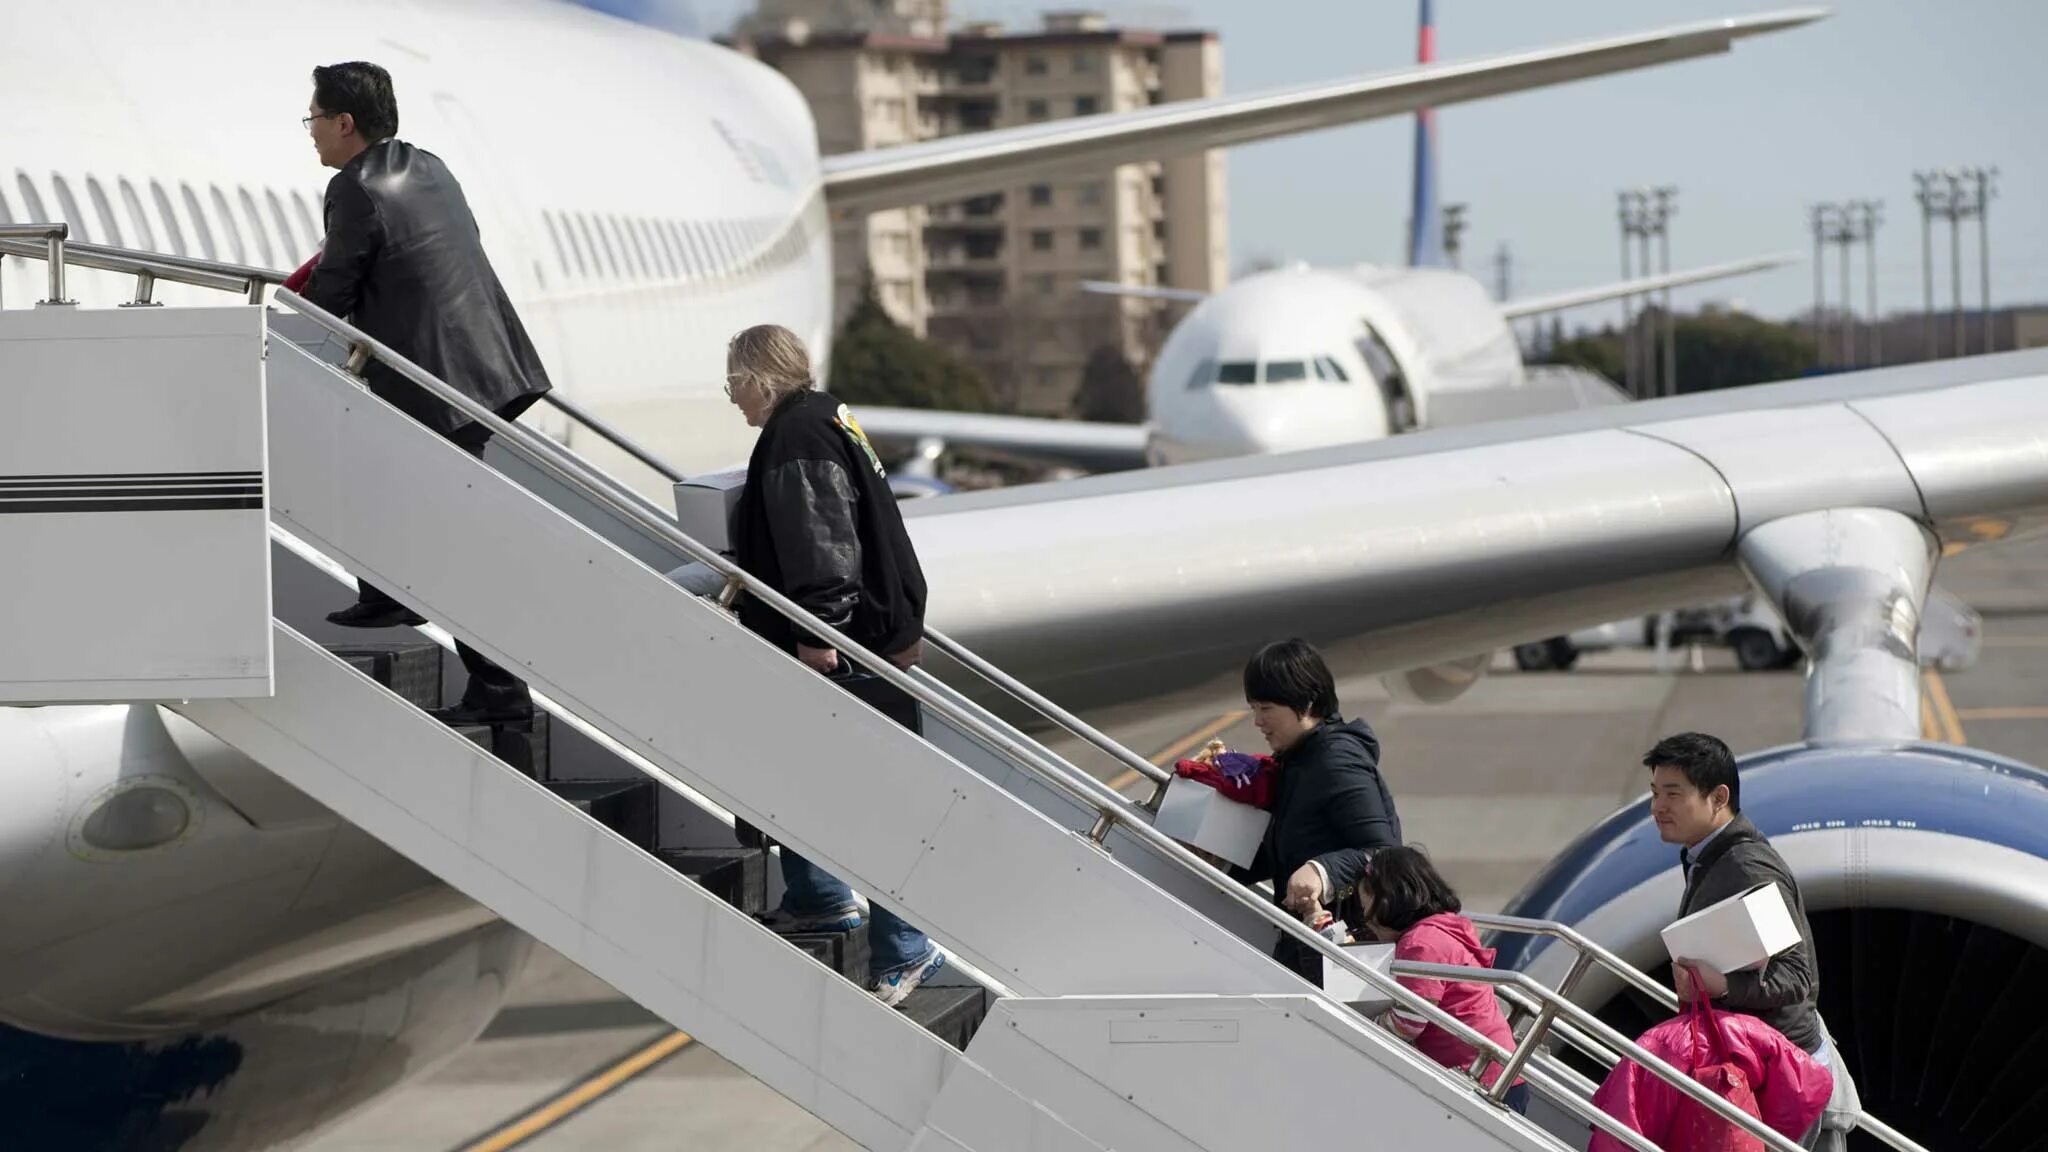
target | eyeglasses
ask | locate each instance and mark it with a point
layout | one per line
(306, 122)
(731, 381)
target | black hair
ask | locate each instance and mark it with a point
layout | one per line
(363, 91)
(1291, 673)
(1404, 889)
(1705, 761)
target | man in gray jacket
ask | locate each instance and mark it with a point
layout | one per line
(1696, 800)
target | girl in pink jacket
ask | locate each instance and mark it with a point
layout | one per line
(1408, 904)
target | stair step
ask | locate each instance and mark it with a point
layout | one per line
(624, 806)
(411, 668)
(524, 746)
(737, 876)
(844, 952)
(952, 1013)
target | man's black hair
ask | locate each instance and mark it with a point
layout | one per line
(1405, 888)
(363, 91)
(1291, 673)
(1705, 762)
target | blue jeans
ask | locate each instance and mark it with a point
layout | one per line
(1517, 1099)
(892, 944)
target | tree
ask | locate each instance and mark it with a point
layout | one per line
(1715, 350)
(1110, 388)
(878, 361)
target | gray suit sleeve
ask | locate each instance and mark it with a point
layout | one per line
(811, 509)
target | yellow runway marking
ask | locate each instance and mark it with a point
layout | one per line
(1944, 709)
(2027, 712)
(560, 1108)
(1930, 728)
(1181, 747)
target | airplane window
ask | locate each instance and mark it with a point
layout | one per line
(226, 220)
(604, 244)
(699, 249)
(136, 216)
(1335, 370)
(1286, 371)
(293, 245)
(561, 253)
(256, 228)
(666, 241)
(1202, 376)
(105, 208)
(682, 248)
(663, 267)
(629, 247)
(584, 267)
(31, 200)
(169, 216)
(200, 228)
(69, 204)
(317, 232)
(582, 229)
(1237, 372)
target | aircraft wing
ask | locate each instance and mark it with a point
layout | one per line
(1426, 548)
(1076, 443)
(1559, 301)
(979, 162)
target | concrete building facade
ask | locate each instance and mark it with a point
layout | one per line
(997, 277)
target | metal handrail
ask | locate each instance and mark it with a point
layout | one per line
(52, 237)
(1111, 806)
(1583, 945)
(613, 436)
(1553, 1005)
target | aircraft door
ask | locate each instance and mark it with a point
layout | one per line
(1386, 372)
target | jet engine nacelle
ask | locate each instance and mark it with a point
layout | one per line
(1438, 683)
(1924, 870)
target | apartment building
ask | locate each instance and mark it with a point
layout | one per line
(997, 277)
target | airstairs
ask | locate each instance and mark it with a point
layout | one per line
(1117, 991)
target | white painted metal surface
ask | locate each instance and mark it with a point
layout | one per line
(683, 685)
(512, 845)
(1231, 1074)
(131, 496)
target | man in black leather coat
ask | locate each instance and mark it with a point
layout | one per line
(403, 261)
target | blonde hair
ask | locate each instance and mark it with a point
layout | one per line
(771, 358)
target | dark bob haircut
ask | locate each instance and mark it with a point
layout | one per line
(1705, 762)
(1403, 889)
(1291, 673)
(361, 90)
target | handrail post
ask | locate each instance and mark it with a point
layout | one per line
(54, 247)
(1104, 822)
(358, 359)
(256, 286)
(1533, 1039)
(145, 287)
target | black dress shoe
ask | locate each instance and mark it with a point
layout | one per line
(361, 615)
(463, 715)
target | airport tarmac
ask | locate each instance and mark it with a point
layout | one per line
(1493, 784)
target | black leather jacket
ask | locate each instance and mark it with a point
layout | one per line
(1785, 992)
(403, 262)
(818, 523)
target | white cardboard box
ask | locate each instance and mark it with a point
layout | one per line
(704, 507)
(1194, 813)
(1738, 933)
(1342, 985)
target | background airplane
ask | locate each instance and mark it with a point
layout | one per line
(1300, 357)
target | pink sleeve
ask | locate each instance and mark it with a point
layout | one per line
(1410, 948)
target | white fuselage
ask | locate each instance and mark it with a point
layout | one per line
(1297, 358)
(642, 197)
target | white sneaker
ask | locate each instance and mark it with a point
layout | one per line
(895, 986)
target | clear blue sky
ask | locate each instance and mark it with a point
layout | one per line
(1847, 107)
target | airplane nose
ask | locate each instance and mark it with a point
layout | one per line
(1214, 422)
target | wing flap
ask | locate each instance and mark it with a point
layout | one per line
(1076, 443)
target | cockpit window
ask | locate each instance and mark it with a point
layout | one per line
(1285, 371)
(1328, 369)
(1203, 375)
(1237, 372)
